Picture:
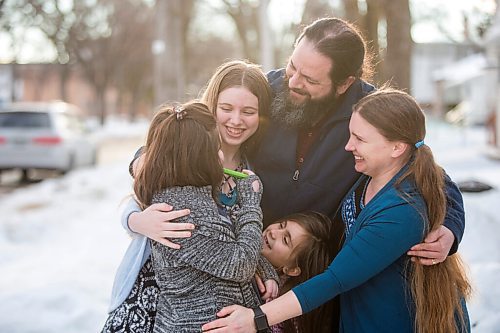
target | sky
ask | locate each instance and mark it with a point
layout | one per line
(34, 47)
(61, 240)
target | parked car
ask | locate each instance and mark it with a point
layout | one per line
(39, 135)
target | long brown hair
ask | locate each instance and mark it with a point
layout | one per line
(437, 290)
(238, 73)
(181, 150)
(312, 255)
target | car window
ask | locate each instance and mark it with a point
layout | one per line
(69, 122)
(24, 120)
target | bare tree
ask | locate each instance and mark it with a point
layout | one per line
(245, 14)
(315, 9)
(396, 66)
(266, 47)
(374, 13)
(169, 47)
(108, 41)
(133, 27)
(54, 21)
(2, 3)
(351, 11)
(399, 43)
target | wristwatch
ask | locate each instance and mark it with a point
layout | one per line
(260, 320)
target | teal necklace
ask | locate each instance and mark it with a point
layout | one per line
(229, 199)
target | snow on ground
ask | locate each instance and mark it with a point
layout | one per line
(61, 240)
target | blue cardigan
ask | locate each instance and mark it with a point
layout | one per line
(369, 271)
(137, 253)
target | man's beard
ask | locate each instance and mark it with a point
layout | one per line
(304, 115)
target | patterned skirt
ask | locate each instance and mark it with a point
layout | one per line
(137, 313)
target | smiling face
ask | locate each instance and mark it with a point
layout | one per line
(237, 116)
(279, 240)
(308, 91)
(373, 154)
(308, 74)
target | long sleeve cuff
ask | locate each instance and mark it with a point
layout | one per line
(131, 207)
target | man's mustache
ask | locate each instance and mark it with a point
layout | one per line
(299, 91)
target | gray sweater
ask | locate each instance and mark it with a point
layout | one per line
(214, 267)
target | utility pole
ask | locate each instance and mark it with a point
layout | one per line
(168, 51)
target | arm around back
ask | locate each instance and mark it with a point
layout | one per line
(455, 214)
(381, 241)
(131, 207)
(214, 248)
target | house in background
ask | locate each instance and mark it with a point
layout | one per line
(473, 78)
(42, 82)
(456, 77)
(429, 57)
(463, 78)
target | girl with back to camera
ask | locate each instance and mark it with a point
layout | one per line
(239, 96)
(214, 267)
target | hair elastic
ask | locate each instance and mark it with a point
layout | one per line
(179, 111)
(419, 144)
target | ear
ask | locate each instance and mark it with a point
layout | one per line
(345, 85)
(399, 149)
(291, 271)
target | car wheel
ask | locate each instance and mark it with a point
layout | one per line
(24, 176)
(71, 164)
(93, 160)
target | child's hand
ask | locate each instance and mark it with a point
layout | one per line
(255, 184)
(249, 189)
(268, 289)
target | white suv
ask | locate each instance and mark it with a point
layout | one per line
(41, 135)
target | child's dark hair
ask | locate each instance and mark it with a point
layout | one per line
(181, 149)
(312, 255)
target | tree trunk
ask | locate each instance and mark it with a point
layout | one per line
(101, 105)
(169, 54)
(371, 21)
(244, 16)
(399, 43)
(315, 9)
(132, 109)
(351, 11)
(266, 38)
(63, 80)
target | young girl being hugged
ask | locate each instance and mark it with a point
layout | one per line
(301, 246)
(213, 268)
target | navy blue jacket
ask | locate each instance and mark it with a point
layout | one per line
(328, 170)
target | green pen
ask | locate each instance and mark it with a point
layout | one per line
(235, 174)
